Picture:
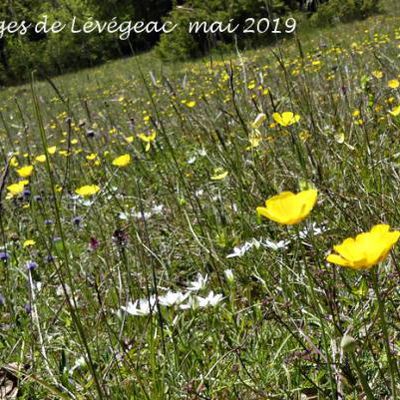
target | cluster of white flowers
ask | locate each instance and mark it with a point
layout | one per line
(312, 230)
(155, 210)
(240, 251)
(183, 300)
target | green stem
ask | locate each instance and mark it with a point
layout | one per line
(381, 310)
(363, 379)
(322, 321)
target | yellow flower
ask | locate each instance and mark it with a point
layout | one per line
(91, 157)
(87, 190)
(377, 74)
(41, 158)
(148, 138)
(366, 249)
(122, 161)
(288, 208)
(28, 243)
(14, 161)
(219, 174)
(260, 119)
(286, 118)
(25, 172)
(393, 84)
(395, 112)
(191, 104)
(52, 150)
(16, 188)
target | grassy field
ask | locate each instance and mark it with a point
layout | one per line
(133, 261)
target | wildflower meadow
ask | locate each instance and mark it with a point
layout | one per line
(223, 228)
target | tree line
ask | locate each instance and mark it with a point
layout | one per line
(52, 54)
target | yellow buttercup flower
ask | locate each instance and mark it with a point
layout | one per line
(191, 104)
(14, 161)
(25, 172)
(16, 188)
(395, 112)
(366, 249)
(286, 118)
(377, 74)
(41, 158)
(28, 243)
(122, 161)
(87, 190)
(91, 157)
(393, 84)
(288, 208)
(52, 150)
(148, 138)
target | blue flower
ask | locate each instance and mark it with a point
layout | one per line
(4, 256)
(77, 221)
(31, 265)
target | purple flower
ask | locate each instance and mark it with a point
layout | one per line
(2, 300)
(93, 244)
(27, 308)
(49, 259)
(4, 256)
(31, 265)
(77, 221)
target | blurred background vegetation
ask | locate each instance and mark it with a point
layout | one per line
(54, 54)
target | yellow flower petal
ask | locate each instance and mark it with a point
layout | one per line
(286, 119)
(41, 158)
(395, 112)
(393, 84)
(122, 161)
(87, 190)
(28, 243)
(16, 189)
(25, 172)
(366, 249)
(288, 208)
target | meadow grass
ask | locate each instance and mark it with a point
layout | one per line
(159, 280)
